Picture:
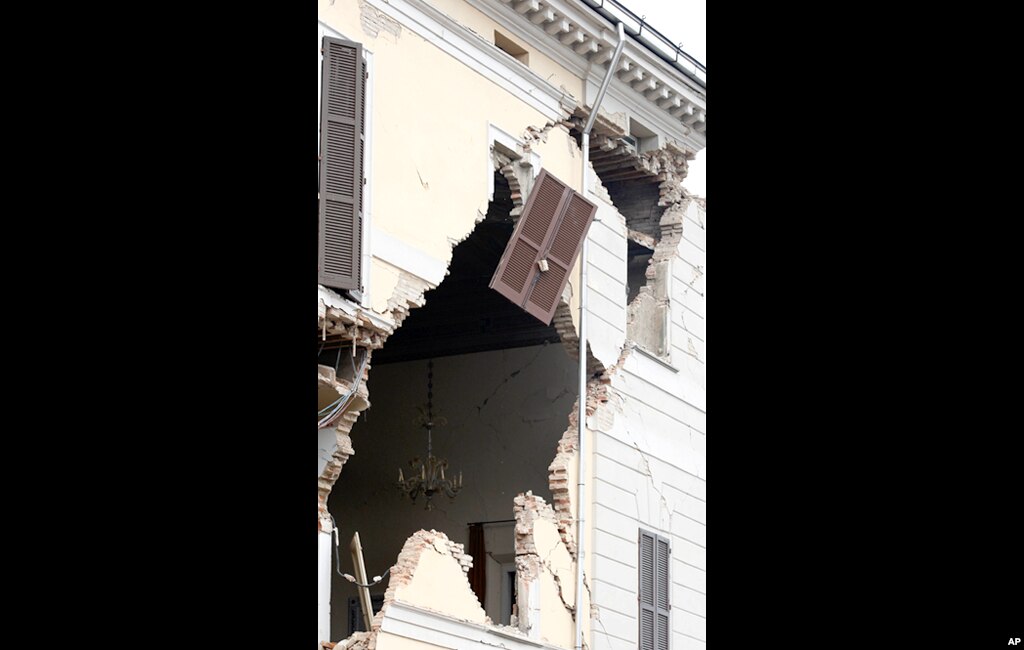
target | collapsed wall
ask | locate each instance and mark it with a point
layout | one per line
(428, 559)
(545, 535)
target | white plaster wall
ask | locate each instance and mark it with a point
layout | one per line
(506, 411)
(649, 473)
(649, 465)
(689, 284)
(327, 442)
(606, 278)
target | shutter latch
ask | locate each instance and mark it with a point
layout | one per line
(543, 264)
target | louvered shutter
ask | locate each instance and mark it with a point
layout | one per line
(655, 585)
(647, 605)
(341, 164)
(552, 227)
(662, 584)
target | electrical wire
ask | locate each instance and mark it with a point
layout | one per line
(331, 405)
(337, 562)
(342, 402)
(328, 420)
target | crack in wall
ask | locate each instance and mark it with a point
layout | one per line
(509, 378)
(561, 596)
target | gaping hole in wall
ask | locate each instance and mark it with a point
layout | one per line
(337, 370)
(639, 183)
(504, 386)
(637, 261)
(637, 200)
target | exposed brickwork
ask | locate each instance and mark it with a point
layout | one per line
(558, 482)
(563, 324)
(344, 450)
(598, 394)
(653, 206)
(639, 203)
(408, 295)
(373, 22)
(527, 509)
(359, 641)
(511, 173)
(668, 163)
(422, 541)
(532, 133)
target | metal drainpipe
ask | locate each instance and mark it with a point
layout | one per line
(582, 416)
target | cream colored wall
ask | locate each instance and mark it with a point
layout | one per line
(543, 65)
(556, 623)
(441, 570)
(429, 175)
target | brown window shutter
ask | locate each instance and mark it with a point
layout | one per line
(341, 164)
(553, 225)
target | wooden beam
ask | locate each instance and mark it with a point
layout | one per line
(626, 174)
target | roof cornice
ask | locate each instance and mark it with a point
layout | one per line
(582, 41)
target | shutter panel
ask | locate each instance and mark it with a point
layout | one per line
(341, 164)
(554, 223)
(565, 245)
(661, 593)
(517, 271)
(647, 587)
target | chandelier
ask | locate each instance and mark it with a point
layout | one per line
(428, 476)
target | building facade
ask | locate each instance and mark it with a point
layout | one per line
(453, 207)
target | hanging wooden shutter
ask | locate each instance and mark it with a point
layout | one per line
(662, 616)
(341, 164)
(647, 617)
(552, 227)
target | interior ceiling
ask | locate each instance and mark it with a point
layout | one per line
(463, 314)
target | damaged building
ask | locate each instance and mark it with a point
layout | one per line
(500, 194)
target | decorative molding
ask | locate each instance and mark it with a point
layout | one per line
(512, 143)
(581, 41)
(404, 620)
(399, 254)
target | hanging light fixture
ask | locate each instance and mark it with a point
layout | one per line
(428, 476)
